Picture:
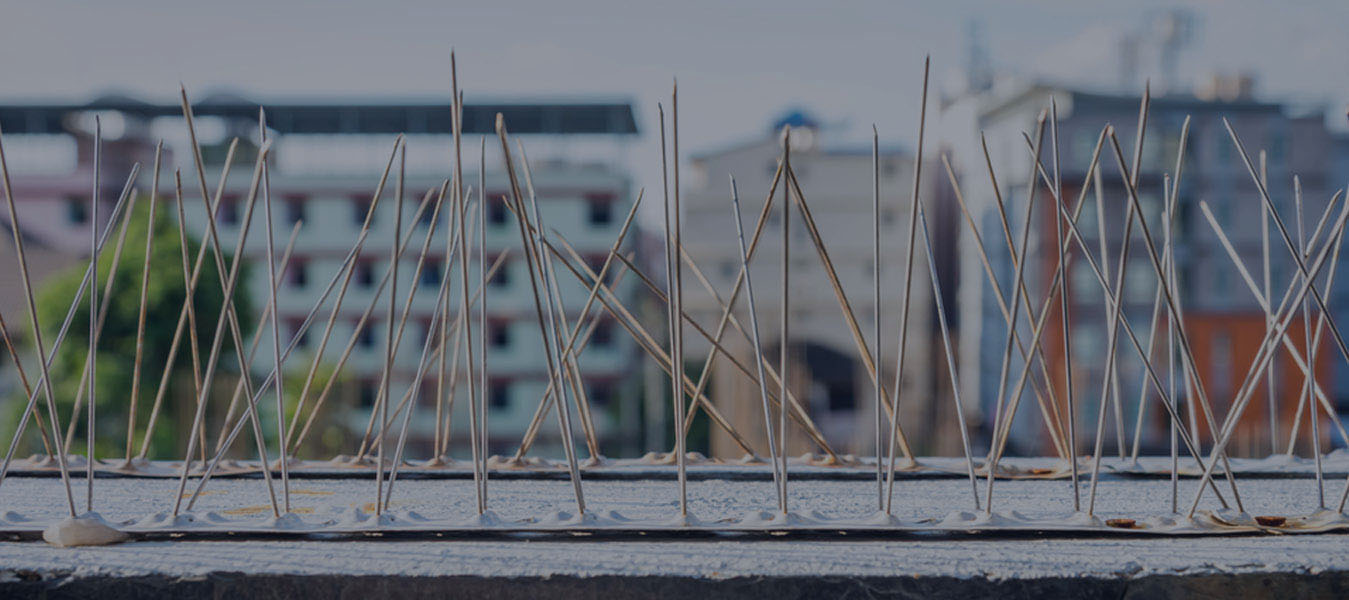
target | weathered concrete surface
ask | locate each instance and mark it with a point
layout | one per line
(1264, 566)
(240, 585)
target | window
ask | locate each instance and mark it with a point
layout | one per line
(603, 336)
(301, 338)
(360, 207)
(727, 268)
(1088, 341)
(1276, 146)
(369, 391)
(601, 209)
(1152, 207)
(1221, 366)
(1083, 281)
(365, 274)
(1224, 150)
(297, 275)
(228, 211)
(431, 271)
(1139, 282)
(496, 209)
(841, 397)
(426, 218)
(501, 335)
(428, 332)
(77, 210)
(596, 263)
(295, 209)
(365, 338)
(502, 278)
(1087, 222)
(600, 394)
(500, 395)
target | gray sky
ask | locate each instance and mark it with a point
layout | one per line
(738, 63)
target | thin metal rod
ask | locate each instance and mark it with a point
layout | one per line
(258, 330)
(220, 333)
(875, 307)
(908, 288)
(187, 316)
(482, 312)
(91, 357)
(758, 345)
(1018, 283)
(784, 316)
(232, 318)
(1051, 424)
(571, 372)
(674, 323)
(390, 351)
(849, 317)
(1310, 374)
(1269, 318)
(143, 304)
(526, 240)
(950, 358)
(27, 387)
(104, 305)
(1065, 324)
(460, 204)
(1051, 414)
(413, 392)
(277, 384)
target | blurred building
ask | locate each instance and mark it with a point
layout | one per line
(1224, 321)
(326, 163)
(827, 373)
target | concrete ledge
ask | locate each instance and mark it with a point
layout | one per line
(31, 584)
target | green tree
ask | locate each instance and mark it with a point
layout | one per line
(117, 343)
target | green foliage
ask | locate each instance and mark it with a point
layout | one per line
(319, 441)
(117, 343)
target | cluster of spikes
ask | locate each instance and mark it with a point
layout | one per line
(384, 442)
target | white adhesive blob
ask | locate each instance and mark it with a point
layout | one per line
(85, 530)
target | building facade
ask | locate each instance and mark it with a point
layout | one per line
(1224, 322)
(827, 373)
(325, 165)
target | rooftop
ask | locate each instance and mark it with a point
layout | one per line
(352, 116)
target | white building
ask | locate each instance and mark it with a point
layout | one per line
(828, 374)
(326, 163)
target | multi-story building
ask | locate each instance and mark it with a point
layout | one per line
(1224, 322)
(326, 163)
(827, 374)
